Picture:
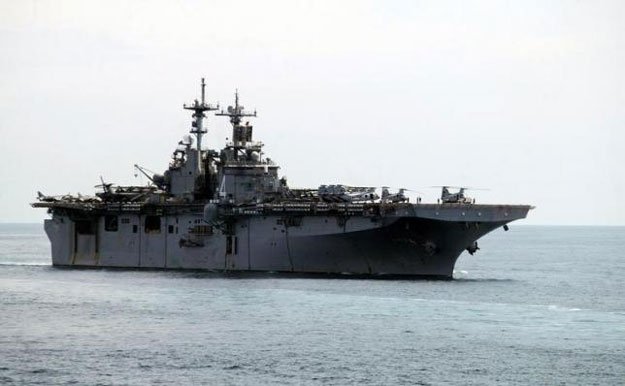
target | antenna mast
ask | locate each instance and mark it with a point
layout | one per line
(236, 112)
(198, 109)
(240, 134)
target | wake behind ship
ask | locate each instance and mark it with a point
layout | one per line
(229, 210)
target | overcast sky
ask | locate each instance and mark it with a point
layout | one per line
(524, 98)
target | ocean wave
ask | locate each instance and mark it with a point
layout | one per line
(555, 307)
(22, 263)
(482, 280)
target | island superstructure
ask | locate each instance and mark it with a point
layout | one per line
(229, 210)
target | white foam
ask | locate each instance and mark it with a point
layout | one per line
(555, 307)
(461, 273)
(21, 263)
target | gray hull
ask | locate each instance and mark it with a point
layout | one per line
(414, 240)
(408, 247)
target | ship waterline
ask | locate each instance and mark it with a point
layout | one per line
(392, 244)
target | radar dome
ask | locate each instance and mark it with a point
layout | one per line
(187, 140)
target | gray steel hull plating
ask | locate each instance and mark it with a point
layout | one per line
(391, 245)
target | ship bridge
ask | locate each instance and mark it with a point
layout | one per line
(245, 176)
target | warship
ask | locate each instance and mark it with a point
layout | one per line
(229, 210)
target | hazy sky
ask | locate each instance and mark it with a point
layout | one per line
(525, 98)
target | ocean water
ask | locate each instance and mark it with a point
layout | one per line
(536, 305)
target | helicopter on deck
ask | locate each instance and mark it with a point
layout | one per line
(458, 197)
(400, 196)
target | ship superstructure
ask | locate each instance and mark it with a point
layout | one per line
(229, 210)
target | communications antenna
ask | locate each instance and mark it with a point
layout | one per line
(198, 109)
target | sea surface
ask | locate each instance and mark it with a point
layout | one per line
(536, 305)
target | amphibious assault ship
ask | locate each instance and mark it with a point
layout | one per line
(229, 210)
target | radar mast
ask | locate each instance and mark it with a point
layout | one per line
(240, 133)
(236, 112)
(198, 109)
